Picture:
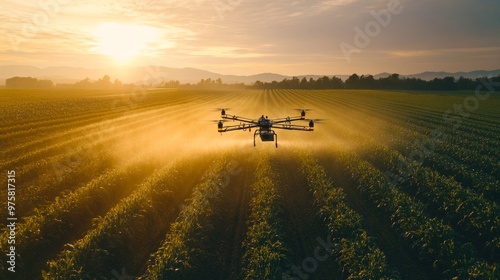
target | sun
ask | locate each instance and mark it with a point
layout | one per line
(124, 42)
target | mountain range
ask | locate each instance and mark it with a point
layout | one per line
(156, 74)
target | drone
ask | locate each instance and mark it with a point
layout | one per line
(264, 125)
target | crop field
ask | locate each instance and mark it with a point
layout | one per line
(136, 184)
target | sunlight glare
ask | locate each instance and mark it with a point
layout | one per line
(123, 42)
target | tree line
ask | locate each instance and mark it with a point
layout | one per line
(30, 82)
(393, 81)
(208, 83)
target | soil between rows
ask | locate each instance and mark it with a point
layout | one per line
(304, 227)
(378, 226)
(225, 250)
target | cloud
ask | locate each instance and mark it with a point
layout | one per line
(280, 34)
(444, 52)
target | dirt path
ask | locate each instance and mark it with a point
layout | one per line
(230, 222)
(304, 227)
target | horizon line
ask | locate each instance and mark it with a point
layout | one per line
(247, 75)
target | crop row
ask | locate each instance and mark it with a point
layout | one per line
(469, 147)
(356, 252)
(468, 155)
(468, 165)
(440, 156)
(92, 134)
(419, 127)
(60, 109)
(72, 127)
(126, 234)
(434, 242)
(59, 128)
(49, 226)
(429, 117)
(69, 168)
(58, 178)
(462, 150)
(469, 212)
(265, 252)
(480, 182)
(182, 248)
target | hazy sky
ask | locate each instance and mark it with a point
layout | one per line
(255, 36)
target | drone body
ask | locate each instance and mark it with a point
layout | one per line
(264, 125)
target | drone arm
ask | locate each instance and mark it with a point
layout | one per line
(236, 118)
(235, 127)
(293, 127)
(287, 120)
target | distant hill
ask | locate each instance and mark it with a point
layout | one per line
(156, 74)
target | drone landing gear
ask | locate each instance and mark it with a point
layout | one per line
(254, 134)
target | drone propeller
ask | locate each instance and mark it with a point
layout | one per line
(312, 122)
(220, 109)
(302, 112)
(217, 121)
(316, 120)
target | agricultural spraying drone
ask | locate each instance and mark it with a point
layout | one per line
(264, 125)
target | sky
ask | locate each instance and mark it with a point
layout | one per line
(247, 37)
